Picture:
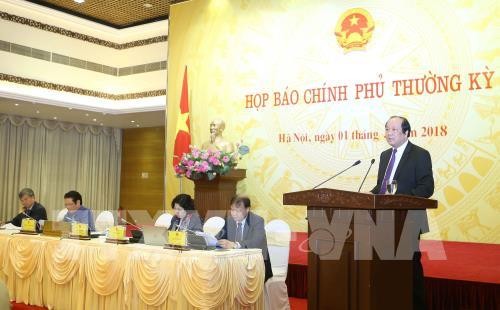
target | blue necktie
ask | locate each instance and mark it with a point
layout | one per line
(388, 171)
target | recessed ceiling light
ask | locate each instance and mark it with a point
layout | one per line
(86, 114)
(137, 125)
(132, 121)
(79, 1)
(16, 104)
(101, 124)
(94, 119)
(55, 117)
(147, 5)
(37, 112)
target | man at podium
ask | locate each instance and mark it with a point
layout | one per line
(408, 168)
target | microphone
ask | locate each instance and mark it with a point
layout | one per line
(355, 164)
(122, 220)
(71, 220)
(26, 214)
(363, 182)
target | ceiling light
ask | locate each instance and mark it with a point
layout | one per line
(16, 104)
(95, 119)
(37, 112)
(132, 121)
(101, 124)
(55, 117)
(70, 108)
(79, 1)
(147, 5)
(86, 114)
(137, 125)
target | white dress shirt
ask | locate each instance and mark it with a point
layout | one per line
(397, 159)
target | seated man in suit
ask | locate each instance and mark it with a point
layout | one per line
(245, 230)
(411, 166)
(31, 208)
(76, 211)
(186, 217)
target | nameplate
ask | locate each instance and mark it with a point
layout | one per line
(177, 238)
(80, 229)
(116, 232)
(28, 225)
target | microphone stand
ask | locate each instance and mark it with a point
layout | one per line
(363, 182)
(356, 163)
(122, 220)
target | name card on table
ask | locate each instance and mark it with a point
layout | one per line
(117, 232)
(177, 238)
(28, 225)
(80, 229)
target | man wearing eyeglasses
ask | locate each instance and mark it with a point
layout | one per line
(31, 208)
(410, 166)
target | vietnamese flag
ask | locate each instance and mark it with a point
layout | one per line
(183, 129)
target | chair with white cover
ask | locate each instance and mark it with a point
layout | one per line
(164, 220)
(278, 236)
(213, 225)
(104, 220)
(61, 214)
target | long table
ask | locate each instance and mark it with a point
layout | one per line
(72, 274)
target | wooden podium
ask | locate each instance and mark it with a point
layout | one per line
(216, 194)
(339, 274)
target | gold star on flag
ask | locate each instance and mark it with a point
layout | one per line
(182, 123)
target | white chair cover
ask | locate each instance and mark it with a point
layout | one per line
(4, 297)
(61, 214)
(278, 236)
(164, 220)
(104, 220)
(213, 225)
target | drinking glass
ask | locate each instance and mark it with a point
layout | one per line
(392, 187)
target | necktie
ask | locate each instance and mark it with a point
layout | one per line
(239, 233)
(388, 171)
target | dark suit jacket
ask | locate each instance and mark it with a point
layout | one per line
(37, 212)
(194, 222)
(254, 237)
(413, 174)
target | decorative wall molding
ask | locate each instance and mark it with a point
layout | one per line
(79, 36)
(80, 91)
